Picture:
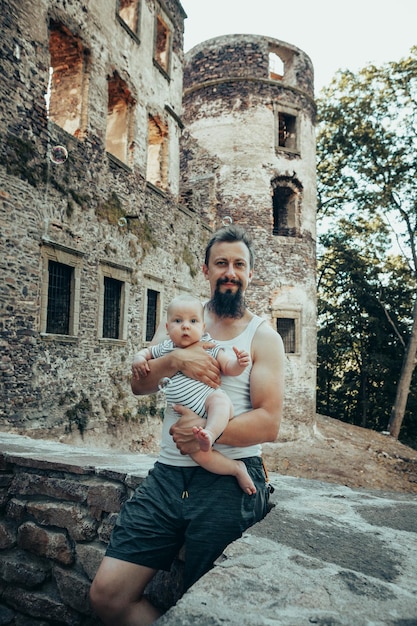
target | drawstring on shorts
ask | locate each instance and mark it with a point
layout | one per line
(186, 482)
(268, 484)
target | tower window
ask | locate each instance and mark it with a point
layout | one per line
(286, 328)
(285, 211)
(287, 137)
(276, 66)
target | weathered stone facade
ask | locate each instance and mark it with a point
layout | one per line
(130, 206)
(77, 212)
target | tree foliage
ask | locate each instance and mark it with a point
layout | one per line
(367, 193)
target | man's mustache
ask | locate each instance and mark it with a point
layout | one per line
(223, 281)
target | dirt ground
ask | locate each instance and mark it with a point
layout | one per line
(347, 455)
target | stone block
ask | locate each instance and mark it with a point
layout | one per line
(72, 517)
(47, 543)
(73, 589)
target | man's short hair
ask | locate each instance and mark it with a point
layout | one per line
(231, 233)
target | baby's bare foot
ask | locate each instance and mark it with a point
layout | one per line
(204, 437)
(244, 480)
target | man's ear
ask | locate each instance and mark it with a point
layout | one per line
(205, 271)
(250, 276)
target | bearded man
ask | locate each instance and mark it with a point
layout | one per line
(157, 521)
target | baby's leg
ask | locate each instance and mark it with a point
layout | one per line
(217, 463)
(219, 411)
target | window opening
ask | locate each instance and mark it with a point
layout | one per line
(286, 328)
(276, 66)
(284, 208)
(151, 313)
(162, 43)
(128, 10)
(60, 279)
(287, 126)
(112, 307)
(157, 164)
(67, 85)
(118, 130)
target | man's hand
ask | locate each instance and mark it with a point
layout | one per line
(182, 430)
(195, 362)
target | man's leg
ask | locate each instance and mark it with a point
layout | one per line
(220, 517)
(117, 594)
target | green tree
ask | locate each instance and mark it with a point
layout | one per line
(367, 173)
(362, 325)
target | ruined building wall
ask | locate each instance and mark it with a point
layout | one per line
(122, 214)
(248, 153)
(100, 214)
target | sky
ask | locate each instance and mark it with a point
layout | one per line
(333, 33)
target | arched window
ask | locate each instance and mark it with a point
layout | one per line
(276, 66)
(286, 206)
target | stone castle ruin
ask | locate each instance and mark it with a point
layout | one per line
(119, 156)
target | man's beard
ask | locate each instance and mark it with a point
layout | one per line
(228, 304)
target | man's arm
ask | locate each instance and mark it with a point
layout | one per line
(262, 423)
(194, 362)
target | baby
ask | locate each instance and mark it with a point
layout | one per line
(185, 326)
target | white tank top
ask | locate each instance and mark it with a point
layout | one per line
(238, 390)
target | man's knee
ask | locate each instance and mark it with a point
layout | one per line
(103, 600)
(98, 597)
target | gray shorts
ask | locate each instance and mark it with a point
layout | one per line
(186, 505)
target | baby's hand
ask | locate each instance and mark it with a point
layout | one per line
(140, 367)
(242, 356)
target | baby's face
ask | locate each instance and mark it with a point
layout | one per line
(185, 324)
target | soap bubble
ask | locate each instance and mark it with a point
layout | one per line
(122, 221)
(227, 220)
(164, 383)
(58, 155)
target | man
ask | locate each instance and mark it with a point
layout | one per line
(179, 502)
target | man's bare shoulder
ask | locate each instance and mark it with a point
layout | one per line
(267, 337)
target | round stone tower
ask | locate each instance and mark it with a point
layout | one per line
(248, 154)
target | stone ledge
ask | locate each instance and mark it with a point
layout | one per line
(325, 554)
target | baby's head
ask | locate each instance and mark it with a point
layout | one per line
(185, 320)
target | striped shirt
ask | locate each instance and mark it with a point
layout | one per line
(183, 390)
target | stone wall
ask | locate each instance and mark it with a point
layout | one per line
(58, 505)
(100, 213)
(105, 217)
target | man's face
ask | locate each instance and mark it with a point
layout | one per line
(229, 274)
